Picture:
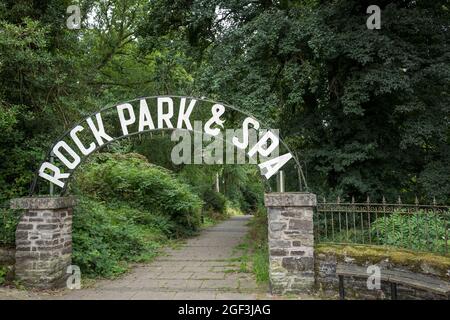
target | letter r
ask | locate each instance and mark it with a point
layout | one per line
(57, 175)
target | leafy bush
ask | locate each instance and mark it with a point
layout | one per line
(3, 272)
(419, 231)
(214, 201)
(130, 178)
(104, 238)
(243, 186)
(252, 198)
(8, 224)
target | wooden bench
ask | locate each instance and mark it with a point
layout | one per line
(394, 277)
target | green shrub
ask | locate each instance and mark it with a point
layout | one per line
(243, 186)
(252, 198)
(261, 264)
(419, 231)
(127, 210)
(3, 272)
(8, 224)
(105, 238)
(130, 178)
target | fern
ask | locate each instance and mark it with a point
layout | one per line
(419, 230)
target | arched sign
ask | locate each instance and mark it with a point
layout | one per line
(179, 114)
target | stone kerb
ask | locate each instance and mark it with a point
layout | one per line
(291, 241)
(43, 240)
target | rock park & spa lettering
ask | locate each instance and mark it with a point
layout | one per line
(138, 119)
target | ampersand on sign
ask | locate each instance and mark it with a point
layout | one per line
(217, 110)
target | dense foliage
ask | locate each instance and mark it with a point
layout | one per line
(105, 237)
(366, 110)
(8, 223)
(141, 185)
(214, 201)
(420, 231)
(241, 185)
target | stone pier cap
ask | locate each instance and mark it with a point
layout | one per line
(36, 203)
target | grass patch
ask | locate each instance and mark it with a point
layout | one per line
(255, 253)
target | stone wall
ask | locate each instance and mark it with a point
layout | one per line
(291, 241)
(327, 282)
(43, 241)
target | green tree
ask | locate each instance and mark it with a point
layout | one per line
(366, 110)
(41, 86)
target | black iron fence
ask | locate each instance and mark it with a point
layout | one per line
(412, 226)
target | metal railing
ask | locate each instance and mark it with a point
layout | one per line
(412, 226)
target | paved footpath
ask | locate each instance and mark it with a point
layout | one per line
(203, 268)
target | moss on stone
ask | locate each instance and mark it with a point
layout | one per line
(412, 260)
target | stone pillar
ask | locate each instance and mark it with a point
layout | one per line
(43, 241)
(291, 241)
